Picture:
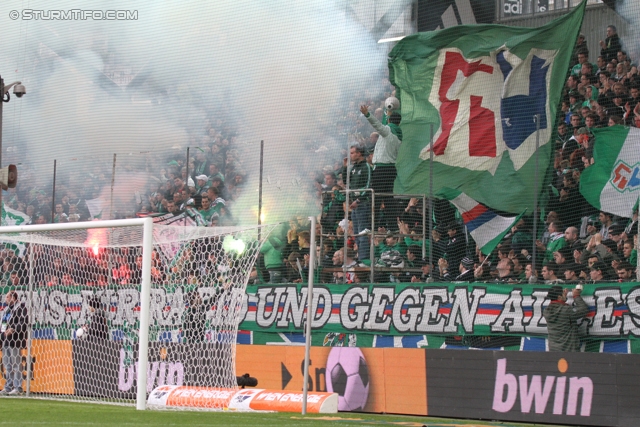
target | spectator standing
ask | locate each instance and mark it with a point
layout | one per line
(581, 45)
(456, 247)
(384, 160)
(15, 325)
(98, 329)
(194, 319)
(360, 179)
(273, 260)
(611, 45)
(562, 319)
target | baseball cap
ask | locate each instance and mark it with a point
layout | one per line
(467, 262)
(616, 229)
(571, 266)
(555, 292)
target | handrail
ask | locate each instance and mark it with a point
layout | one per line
(373, 268)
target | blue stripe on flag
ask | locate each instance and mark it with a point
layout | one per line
(481, 220)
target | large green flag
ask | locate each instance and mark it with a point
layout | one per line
(612, 183)
(477, 89)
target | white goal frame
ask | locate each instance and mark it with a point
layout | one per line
(145, 285)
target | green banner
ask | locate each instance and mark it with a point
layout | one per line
(376, 309)
(438, 309)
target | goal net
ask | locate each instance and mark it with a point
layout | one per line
(83, 285)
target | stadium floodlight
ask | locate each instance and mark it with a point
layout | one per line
(155, 305)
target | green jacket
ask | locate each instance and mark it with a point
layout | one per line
(400, 247)
(360, 179)
(552, 247)
(562, 324)
(272, 251)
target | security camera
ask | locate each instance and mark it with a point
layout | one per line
(19, 90)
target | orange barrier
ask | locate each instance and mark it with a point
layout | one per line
(397, 376)
(51, 367)
(243, 400)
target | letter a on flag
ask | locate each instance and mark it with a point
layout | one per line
(486, 95)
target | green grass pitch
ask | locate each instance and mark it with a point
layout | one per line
(36, 412)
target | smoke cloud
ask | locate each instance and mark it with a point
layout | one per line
(281, 71)
(628, 9)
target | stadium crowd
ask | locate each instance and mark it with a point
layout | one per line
(575, 242)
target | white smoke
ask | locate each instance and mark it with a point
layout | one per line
(630, 11)
(279, 69)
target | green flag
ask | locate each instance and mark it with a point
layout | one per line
(476, 90)
(612, 183)
(14, 217)
(485, 226)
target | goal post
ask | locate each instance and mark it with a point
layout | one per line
(102, 295)
(145, 308)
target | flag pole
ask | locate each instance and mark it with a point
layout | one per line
(430, 278)
(53, 193)
(260, 188)
(347, 213)
(113, 183)
(309, 317)
(535, 194)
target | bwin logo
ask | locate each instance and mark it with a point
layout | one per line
(532, 391)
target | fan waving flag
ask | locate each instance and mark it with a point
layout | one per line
(612, 183)
(485, 226)
(481, 92)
